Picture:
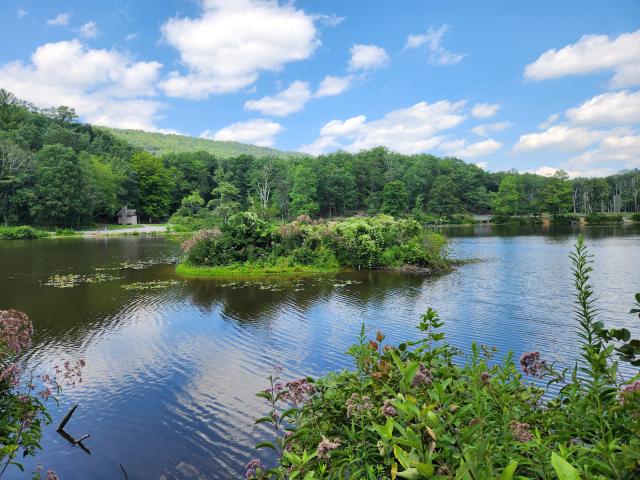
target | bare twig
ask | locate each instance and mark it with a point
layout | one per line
(68, 437)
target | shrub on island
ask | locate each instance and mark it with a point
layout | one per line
(247, 242)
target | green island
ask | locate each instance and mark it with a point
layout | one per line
(247, 244)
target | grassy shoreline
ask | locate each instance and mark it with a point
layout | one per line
(187, 270)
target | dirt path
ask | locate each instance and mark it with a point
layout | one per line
(143, 229)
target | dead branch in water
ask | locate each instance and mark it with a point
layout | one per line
(67, 436)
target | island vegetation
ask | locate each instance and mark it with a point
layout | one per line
(247, 244)
(422, 409)
(58, 172)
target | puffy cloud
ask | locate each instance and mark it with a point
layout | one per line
(104, 86)
(89, 30)
(22, 13)
(260, 132)
(226, 48)
(319, 146)
(338, 128)
(285, 102)
(60, 20)
(613, 108)
(408, 130)
(485, 110)
(478, 149)
(557, 137)
(613, 148)
(486, 129)
(432, 40)
(367, 57)
(545, 171)
(590, 54)
(331, 85)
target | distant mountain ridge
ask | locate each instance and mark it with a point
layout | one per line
(162, 143)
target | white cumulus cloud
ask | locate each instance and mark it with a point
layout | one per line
(557, 137)
(432, 41)
(285, 102)
(478, 149)
(591, 54)
(105, 87)
(232, 41)
(413, 129)
(259, 132)
(331, 85)
(621, 149)
(485, 110)
(486, 129)
(367, 57)
(613, 108)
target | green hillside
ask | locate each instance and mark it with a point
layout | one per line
(161, 143)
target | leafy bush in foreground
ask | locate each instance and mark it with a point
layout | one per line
(413, 411)
(21, 233)
(378, 242)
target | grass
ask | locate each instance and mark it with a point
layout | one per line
(249, 269)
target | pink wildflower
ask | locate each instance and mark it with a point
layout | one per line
(532, 364)
(15, 330)
(298, 391)
(388, 410)
(326, 445)
(521, 432)
(252, 468)
(423, 377)
(358, 404)
(629, 390)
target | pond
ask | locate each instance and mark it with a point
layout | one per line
(168, 389)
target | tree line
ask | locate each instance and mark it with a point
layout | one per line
(56, 171)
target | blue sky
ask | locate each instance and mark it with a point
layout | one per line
(528, 85)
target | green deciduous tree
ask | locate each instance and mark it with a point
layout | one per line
(510, 197)
(394, 198)
(155, 185)
(304, 191)
(59, 190)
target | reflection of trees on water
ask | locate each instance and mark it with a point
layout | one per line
(258, 300)
(554, 233)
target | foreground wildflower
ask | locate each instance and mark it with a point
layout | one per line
(357, 404)
(632, 389)
(325, 447)
(253, 468)
(423, 378)
(521, 432)
(532, 364)
(298, 391)
(388, 410)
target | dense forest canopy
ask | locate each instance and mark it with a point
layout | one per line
(56, 171)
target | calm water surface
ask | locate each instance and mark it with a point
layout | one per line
(171, 373)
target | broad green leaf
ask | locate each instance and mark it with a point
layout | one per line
(564, 469)
(509, 470)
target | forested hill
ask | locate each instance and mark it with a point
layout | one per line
(163, 143)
